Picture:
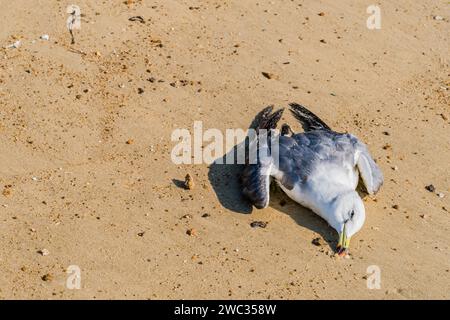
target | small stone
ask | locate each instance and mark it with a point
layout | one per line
(323, 41)
(269, 75)
(258, 224)
(141, 234)
(186, 216)
(140, 90)
(45, 37)
(395, 206)
(444, 117)
(191, 232)
(47, 277)
(129, 141)
(15, 45)
(321, 14)
(430, 188)
(317, 242)
(441, 195)
(424, 216)
(206, 215)
(44, 252)
(438, 18)
(189, 182)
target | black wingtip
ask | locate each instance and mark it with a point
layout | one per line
(270, 121)
(308, 120)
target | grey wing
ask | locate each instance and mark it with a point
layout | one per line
(296, 160)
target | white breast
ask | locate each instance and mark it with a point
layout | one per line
(322, 186)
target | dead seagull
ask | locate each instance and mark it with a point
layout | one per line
(318, 168)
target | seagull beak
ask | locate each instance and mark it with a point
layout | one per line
(344, 243)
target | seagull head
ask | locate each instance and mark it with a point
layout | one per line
(349, 216)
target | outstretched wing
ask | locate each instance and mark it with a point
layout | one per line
(369, 170)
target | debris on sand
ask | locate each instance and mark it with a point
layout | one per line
(317, 242)
(438, 18)
(45, 37)
(47, 277)
(189, 182)
(137, 19)
(141, 234)
(206, 215)
(44, 252)
(15, 45)
(73, 21)
(129, 141)
(269, 75)
(258, 224)
(191, 232)
(430, 188)
(7, 190)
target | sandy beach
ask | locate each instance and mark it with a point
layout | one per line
(88, 182)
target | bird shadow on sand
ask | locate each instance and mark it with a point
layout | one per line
(225, 181)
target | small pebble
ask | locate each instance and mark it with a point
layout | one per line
(440, 195)
(15, 45)
(47, 277)
(317, 242)
(438, 18)
(269, 75)
(191, 232)
(44, 252)
(189, 182)
(430, 188)
(45, 37)
(258, 224)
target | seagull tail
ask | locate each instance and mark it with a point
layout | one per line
(308, 120)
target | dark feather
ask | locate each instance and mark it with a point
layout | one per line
(308, 120)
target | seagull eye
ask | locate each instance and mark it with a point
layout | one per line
(352, 214)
